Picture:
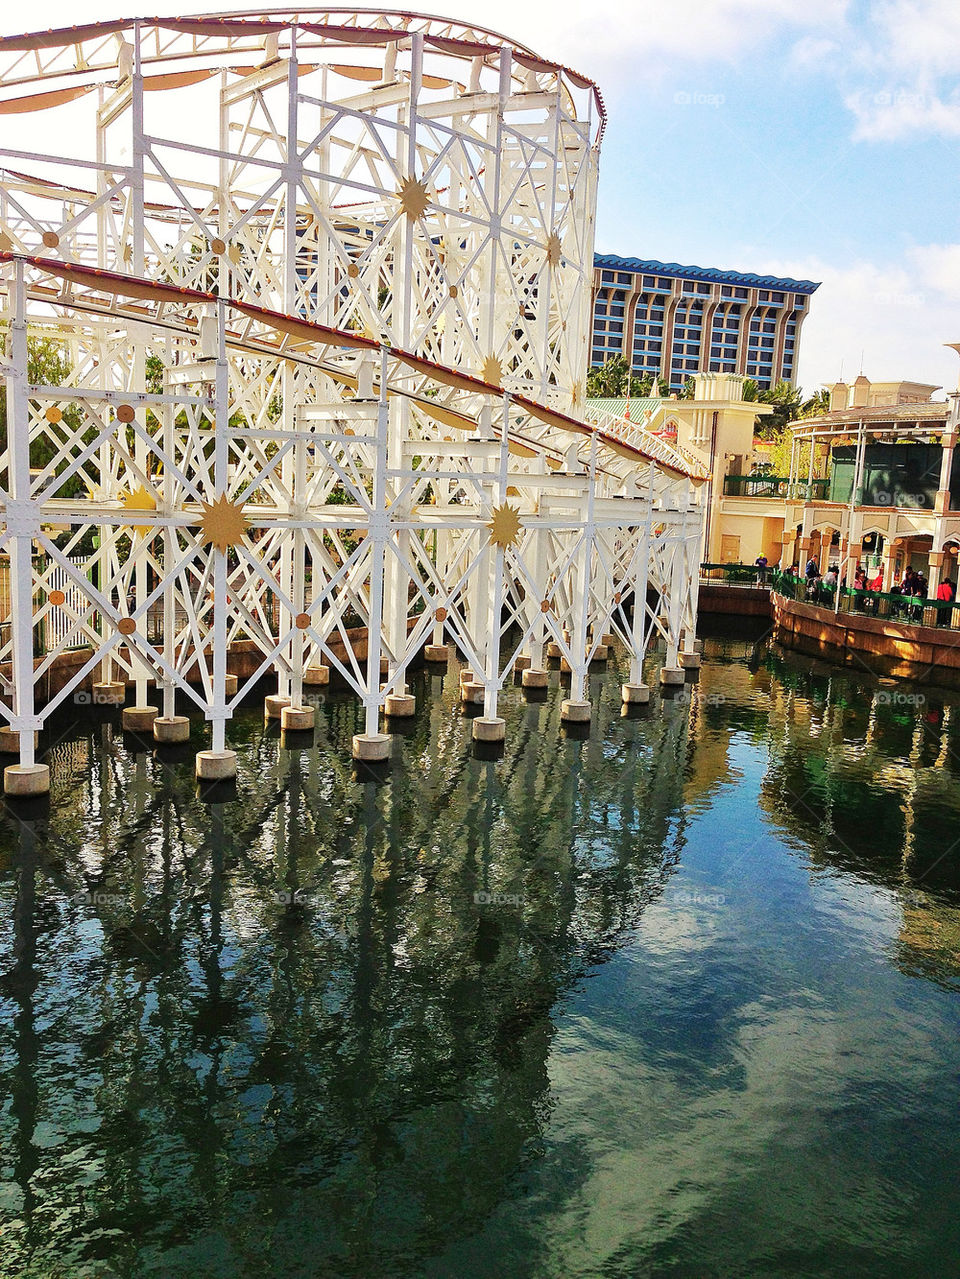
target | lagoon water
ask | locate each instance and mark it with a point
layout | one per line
(681, 998)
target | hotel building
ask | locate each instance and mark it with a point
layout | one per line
(676, 321)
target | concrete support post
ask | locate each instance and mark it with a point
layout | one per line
(28, 777)
(219, 763)
(934, 571)
(371, 745)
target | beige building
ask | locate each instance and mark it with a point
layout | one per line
(716, 430)
(875, 478)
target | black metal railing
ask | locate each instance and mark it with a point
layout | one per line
(914, 610)
(736, 574)
(776, 486)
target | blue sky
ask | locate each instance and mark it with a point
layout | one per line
(812, 138)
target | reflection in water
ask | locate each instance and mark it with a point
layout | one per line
(679, 998)
(299, 1024)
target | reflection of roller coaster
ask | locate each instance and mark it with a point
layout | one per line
(259, 1007)
(321, 283)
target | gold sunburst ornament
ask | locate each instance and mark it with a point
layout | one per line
(505, 525)
(139, 500)
(492, 370)
(414, 198)
(222, 523)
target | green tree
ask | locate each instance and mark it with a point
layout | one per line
(613, 380)
(818, 403)
(786, 401)
(48, 365)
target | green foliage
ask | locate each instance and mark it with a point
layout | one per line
(818, 403)
(775, 428)
(48, 365)
(788, 406)
(154, 379)
(786, 401)
(613, 380)
(780, 457)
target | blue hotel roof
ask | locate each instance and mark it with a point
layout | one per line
(708, 274)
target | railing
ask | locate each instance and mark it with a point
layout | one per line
(735, 574)
(634, 434)
(56, 625)
(777, 486)
(913, 610)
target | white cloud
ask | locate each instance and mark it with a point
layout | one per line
(902, 70)
(888, 115)
(895, 66)
(632, 37)
(938, 266)
(812, 53)
(898, 316)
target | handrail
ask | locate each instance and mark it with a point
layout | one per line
(778, 486)
(636, 436)
(911, 610)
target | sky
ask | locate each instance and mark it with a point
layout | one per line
(818, 139)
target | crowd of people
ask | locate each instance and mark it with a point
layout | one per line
(819, 588)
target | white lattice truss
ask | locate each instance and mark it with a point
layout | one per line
(355, 311)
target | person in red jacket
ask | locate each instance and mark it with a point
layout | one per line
(946, 593)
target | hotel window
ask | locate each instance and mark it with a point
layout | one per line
(760, 347)
(725, 337)
(648, 332)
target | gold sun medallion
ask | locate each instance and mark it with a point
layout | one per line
(413, 198)
(505, 525)
(139, 500)
(222, 523)
(492, 370)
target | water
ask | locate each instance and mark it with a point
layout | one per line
(680, 999)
